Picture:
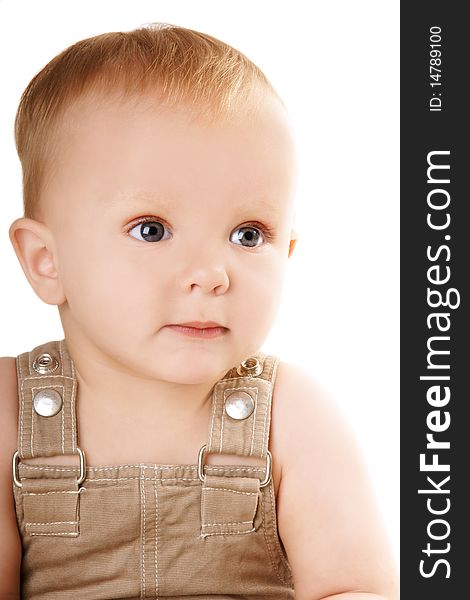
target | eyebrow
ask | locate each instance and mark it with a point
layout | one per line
(260, 203)
(138, 197)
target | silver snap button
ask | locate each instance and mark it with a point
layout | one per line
(47, 403)
(239, 405)
(251, 367)
(45, 363)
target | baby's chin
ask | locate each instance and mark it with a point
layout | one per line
(191, 362)
(196, 373)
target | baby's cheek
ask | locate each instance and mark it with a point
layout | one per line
(260, 300)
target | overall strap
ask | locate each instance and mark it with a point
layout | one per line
(47, 389)
(241, 408)
(240, 424)
(48, 426)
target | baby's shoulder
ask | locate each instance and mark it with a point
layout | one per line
(327, 518)
(301, 409)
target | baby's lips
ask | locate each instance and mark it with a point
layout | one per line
(200, 324)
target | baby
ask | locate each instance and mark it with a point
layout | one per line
(157, 452)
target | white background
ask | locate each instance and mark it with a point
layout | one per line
(336, 66)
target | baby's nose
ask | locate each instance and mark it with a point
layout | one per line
(210, 279)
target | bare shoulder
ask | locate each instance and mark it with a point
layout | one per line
(327, 516)
(10, 543)
(305, 419)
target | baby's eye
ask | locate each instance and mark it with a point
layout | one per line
(247, 236)
(148, 231)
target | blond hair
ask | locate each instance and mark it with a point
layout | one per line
(169, 62)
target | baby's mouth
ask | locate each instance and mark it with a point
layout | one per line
(199, 329)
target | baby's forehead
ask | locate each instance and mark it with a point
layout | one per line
(94, 118)
(136, 149)
(100, 103)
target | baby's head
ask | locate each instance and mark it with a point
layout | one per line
(158, 181)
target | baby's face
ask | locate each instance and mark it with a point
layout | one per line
(160, 220)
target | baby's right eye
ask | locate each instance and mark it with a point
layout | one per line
(148, 231)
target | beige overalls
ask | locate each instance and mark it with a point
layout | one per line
(146, 530)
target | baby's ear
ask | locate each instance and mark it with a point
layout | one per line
(293, 241)
(35, 249)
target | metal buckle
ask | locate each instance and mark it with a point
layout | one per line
(251, 367)
(81, 478)
(200, 466)
(45, 363)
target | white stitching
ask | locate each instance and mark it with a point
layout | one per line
(266, 411)
(267, 425)
(204, 535)
(63, 398)
(54, 523)
(145, 479)
(254, 423)
(142, 498)
(156, 538)
(82, 489)
(222, 413)
(235, 379)
(25, 465)
(65, 533)
(72, 409)
(66, 404)
(214, 411)
(155, 479)
(49, 376)
(47, 387)
(71, 405)
(153, 467)
(32, 422)
(274, 366)
(63, 420)
(237, 523)
(61, 358)
(243, 388)
(20, 377)
(228, 490)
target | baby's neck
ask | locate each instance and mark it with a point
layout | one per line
(123, 394)
(114, 387)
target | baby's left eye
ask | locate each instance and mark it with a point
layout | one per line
(247, 236)
(149, 231)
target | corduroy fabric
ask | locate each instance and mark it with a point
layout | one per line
(144, 530)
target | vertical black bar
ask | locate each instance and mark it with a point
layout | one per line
(435, 230)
